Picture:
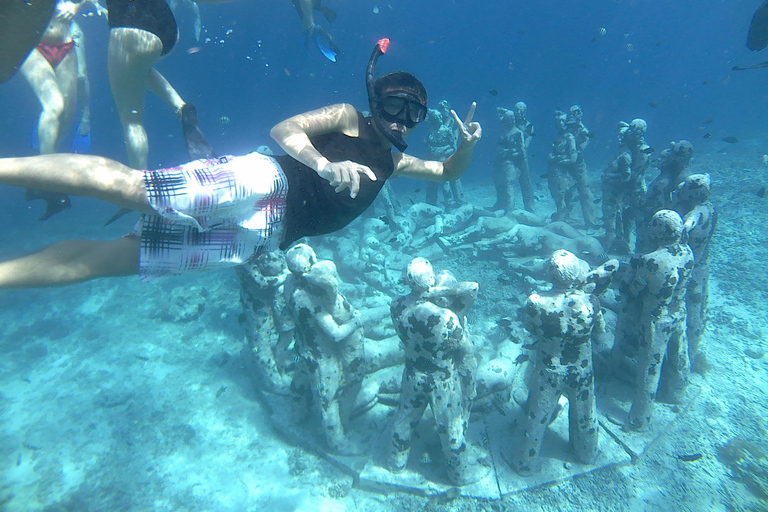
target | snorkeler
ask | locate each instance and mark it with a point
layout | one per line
(55, 70)
(141, 32)
(220, 212)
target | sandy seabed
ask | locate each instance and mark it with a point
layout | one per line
(108, 402)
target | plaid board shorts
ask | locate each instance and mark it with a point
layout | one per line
(212, 213)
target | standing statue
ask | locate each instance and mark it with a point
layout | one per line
(562, 165)
(582, 136)
(441, 142)
(653, 296)
(439, 367)
(691, 201)
(511, 162)
(672, 164)
(268, 324)
(624, 188)
(562, 321)
(329, 342)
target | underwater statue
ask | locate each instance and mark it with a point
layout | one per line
(672, 164)
(439, 369)
(268, 324)
(521, 234)
(329, 341)
(562, 165)
(511, 162)
(562, 322)
(441, 142)
(624, 187)
(691, 201)
(653, 296)
(582, 137)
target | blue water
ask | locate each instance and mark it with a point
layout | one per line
(668, 62)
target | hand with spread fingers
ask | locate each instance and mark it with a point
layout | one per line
(346, 174)
(469, 132)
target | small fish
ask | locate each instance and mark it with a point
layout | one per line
(296, 359)
(730, 139)
(18, 460)
(648, 151)
(426, 459)
(761, 192)
(705, 82)
(693, 457)
(493, 92)
(221, 391)
(224, 120)
(505, 322)
(29, 446)
(707, 135)
(521, 359)
(653, 104)
(596, 201)
(193, 50)
(708, 120)
(594, 39)
(545, 175)
(658, 43)
(393, 240)
(417, 191)
(140, 357)
(755, 66)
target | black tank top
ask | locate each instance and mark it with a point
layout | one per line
(151, 15)
(312, 206)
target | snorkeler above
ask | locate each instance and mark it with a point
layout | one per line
(225, 211)
(313, 31)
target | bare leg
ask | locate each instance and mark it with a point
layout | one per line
(66, 78)
(72, 261)
(80, 175)
(131, 55)
(42, 79)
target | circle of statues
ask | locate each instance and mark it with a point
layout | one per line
(318, 332)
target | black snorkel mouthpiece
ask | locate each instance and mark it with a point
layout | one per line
(395, 138)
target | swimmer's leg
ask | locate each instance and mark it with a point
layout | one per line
(131, 54)
(72, 261)
(42, 79)
(79, 175)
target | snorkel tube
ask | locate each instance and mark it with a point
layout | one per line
(396, 139)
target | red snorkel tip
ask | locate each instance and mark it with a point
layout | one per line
(383, 44)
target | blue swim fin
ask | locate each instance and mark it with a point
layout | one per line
(322, 40)
(81, 144)
(329, 54)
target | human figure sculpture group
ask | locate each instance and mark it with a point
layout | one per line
(659, 295)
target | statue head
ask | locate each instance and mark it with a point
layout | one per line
(666, 227)
(420, 274)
